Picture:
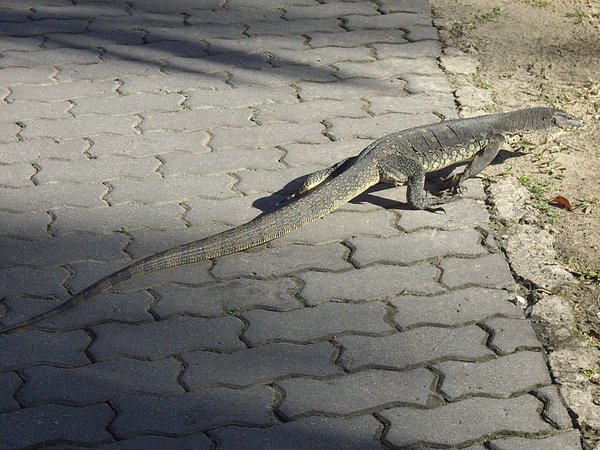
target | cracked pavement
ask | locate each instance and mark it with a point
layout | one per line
(131, 127)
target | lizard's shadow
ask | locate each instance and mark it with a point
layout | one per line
(435, 183)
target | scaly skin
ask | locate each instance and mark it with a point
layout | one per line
(402, 157)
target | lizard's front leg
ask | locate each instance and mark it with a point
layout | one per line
(482, 159)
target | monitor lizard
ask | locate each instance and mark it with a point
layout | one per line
(398, 158)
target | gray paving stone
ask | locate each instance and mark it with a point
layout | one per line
(233, 211)
(192, 412)
(138, 103)
(422, 33)
(387, 68)
(8, 132)
(457, 423)
(62, 249)
(377, 126)
(153, 53)
(9, 384)
(315, 110)
(20, 43)
(418, 346)
(356, 38)
(267, 135)
(21, 111)
(170, 189)
(487, 271)
(501, 377)
(330, 433)
(418, 84)
(421, 49)
(351, 88)
(18, 280)
(96, 170)
(167, 337)
(79, 126)
(62, 91)
(100, 382)
(369, 283)
(191, 442)
(220, 161)
(258, 365)
(31, 347)
(413, 104)
(129, 216)
(222, 61)
(111, 307)
(508, 335)
(283, 182)
(470, 305)
(48, 197)
(227, 297)
(107, 69)
(197, 119)
(240, 96)
(268, 262)
(355, 392)
(256, 44)
(17, 175)
(321, 56)
(55, 423)
(554, 409)
(149, 144)
(282, 75)
(238, 13)
(92, 38)
(269, 3)
(392, 21)
(329, 10)
(195, 32)
(173, 82)
(459, 214)
(323, 155)
(30, 151)
(307, 324)
(42, 27)
(416, 246)
(570, 440)
(414, 6)
(49, 57)
(287, 27)
(342, 225)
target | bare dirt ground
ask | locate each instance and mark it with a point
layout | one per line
(540, 53)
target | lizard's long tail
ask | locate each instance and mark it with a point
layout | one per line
(324, 199)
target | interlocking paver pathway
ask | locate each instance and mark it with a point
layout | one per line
(130, 127)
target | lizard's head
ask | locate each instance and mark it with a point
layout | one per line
(539, 125)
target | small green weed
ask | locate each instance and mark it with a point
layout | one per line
(586, 205)
(538, 190)
(491, 16)
(540, 3)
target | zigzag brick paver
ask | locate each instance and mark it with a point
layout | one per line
(155, 340)
(310, 432)
(193, 412)
(99, 382)
(130, 127)
(230, 296)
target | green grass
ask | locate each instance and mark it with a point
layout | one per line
(538, 190)
(491, 16)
